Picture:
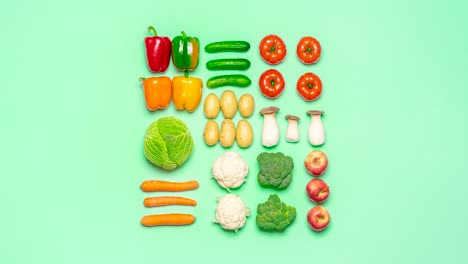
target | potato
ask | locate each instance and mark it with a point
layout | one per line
(211, 133)
(211, 106)
(228, 133)
(244, 134)
(246, 105)
(228, 104)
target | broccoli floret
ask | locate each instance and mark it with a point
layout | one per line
(274, 215)
(275, 170)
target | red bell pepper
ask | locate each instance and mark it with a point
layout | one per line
(158, 51)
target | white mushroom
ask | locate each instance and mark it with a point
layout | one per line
(292, 132)
(316, 131)
(270, 130)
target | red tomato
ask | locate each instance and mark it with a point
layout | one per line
(309, 86)
(308, 50)
(272, 49)
(271, 83)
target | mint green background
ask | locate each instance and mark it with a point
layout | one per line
(73, 121)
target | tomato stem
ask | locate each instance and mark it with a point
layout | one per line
(273, 48)
(142, 79)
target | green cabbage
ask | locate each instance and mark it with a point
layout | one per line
(168, 143)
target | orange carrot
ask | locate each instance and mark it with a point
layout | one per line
(168, 200)
(167, 219)
(165, 186)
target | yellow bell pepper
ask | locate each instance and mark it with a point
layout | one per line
(186, 92)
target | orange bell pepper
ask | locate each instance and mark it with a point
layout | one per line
(157, 92)
(186, 92)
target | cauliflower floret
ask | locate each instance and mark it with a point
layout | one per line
(231, 212)
(230, 170)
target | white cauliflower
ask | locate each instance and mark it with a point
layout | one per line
(230, 170)
(231, 212)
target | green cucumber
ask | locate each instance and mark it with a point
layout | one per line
(237, 80)
(224, 46)
(228, 64)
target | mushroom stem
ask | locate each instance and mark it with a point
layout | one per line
(292, 132)
(270, 129)
(316, 133)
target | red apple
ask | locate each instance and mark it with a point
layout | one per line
(318, 218)
(317, 190)
(316, 162)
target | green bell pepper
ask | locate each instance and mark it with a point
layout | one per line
(185, 52)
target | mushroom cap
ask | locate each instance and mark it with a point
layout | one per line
(292, 117)
(269, 110)
(315, 112)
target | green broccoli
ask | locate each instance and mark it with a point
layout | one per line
(274, 215)
(275, 170)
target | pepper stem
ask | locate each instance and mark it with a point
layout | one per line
(151, 28)
(183, 34)
(186, 73)
(142, 79)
